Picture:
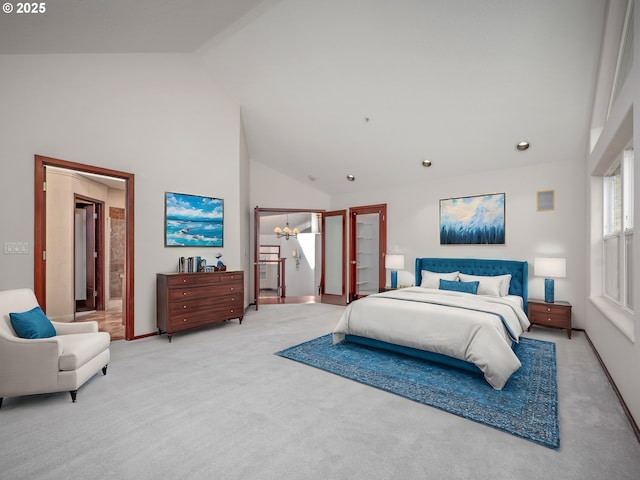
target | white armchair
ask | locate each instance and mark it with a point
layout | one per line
(60, 363)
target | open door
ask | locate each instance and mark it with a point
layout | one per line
(91, 257)
(334, 252)
(368, 244)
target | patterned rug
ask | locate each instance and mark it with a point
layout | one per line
(526, 407)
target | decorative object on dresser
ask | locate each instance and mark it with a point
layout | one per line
(394, 263)
(190, 300)
(557, 314)
(549, 268)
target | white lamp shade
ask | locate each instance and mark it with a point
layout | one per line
(394, 262)
(550, 267)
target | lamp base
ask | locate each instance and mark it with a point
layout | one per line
(394, 279)
(548, 290)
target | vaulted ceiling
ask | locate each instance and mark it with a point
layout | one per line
(369, 88)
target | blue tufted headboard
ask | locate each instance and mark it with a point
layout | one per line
(479, 266)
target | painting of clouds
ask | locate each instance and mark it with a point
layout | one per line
(193, 221)
(472, 220)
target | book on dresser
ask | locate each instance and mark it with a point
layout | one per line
(191, 300)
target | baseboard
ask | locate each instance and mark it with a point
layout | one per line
(634, 425)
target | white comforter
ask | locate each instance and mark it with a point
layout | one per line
(450, 323)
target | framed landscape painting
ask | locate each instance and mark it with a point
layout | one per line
(193, 221)
(473, 220)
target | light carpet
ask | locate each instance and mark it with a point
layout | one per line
(526, 407)
(216, 403)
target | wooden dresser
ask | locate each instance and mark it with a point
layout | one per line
(190, 300)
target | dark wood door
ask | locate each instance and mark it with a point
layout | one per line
(334, 253)
(368, 244)
(91, 257)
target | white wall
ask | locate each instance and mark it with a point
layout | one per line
(272, 189)
(620, 354)
(159, 117)
(413, 222)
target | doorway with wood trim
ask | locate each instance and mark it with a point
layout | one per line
(42, 255)
(286, 264)
(367, 233)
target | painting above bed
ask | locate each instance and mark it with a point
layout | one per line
(473, 220)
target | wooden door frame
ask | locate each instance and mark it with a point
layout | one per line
(99, 248)
(382, 248)
(256, 241)
(40, 231)
(333, 298)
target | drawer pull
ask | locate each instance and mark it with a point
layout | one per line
(184, 306)
(184, 280)
(184, 319)
(184, 294)
(548, 309)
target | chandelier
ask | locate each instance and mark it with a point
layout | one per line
(286, 232)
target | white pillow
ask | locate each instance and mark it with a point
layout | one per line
(432, 279)
(497, 285)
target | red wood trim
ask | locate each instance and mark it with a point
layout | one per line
(129, 258)
(627, 412)
(39, 241)
(283, 282)
(353, 213)
(39, 238)
(256, 253)
(342, 298)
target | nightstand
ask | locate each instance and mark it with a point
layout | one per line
(557, 315)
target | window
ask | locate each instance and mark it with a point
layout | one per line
(618, 231)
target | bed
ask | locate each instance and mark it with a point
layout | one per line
(473, 331)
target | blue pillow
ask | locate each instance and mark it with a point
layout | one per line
(32, 324)
(466, 287)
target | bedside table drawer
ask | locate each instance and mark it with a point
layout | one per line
(547, 309)
(550, 319)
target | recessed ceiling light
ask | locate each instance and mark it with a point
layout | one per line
(522, 146)
(351, 178)
(426, 163)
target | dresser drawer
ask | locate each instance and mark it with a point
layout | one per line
(181, 280)
(217, 314)
(182, 294)
(186, 306)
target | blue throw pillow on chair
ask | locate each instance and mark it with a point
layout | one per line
(32, 324)
(466, 287)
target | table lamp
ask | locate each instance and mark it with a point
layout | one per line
(550, 268)
(394, 263)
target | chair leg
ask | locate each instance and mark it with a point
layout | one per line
(1, 401)
(73, 395)
(104, 369)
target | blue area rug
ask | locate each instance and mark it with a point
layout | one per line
(526, 407)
